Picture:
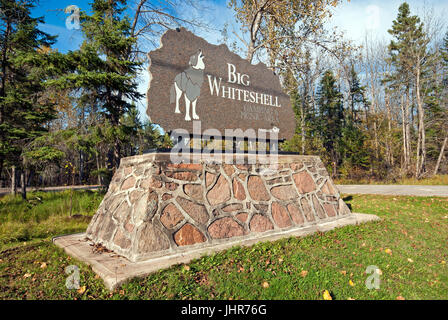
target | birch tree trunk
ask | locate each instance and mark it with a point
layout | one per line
(421, 145)
(442, 151)
(23, 182)
(14, 181)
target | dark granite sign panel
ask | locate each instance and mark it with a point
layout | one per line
(193, 80)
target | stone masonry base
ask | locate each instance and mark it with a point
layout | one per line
(155, 207)
(115, 269)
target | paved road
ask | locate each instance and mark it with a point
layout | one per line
(393, 190)
(4, 191)
(396, 190)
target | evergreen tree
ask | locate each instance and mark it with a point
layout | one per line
(26, 65)
(330, 117)
(409, 55)
(104, 67)
(357, 94)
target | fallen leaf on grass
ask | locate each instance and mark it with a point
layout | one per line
(265, 285)
(344, 272)
(27, 275)
(43, 265)
(351, 283)
(327, 295)
(388, 251)
(187, 268)
(400, 298)
(304, 273)
(82, 289)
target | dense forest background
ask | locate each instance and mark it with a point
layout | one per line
(375, 112)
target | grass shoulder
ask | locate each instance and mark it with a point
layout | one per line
(407, 245)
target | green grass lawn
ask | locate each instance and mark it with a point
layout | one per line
(438, 180)
(45, 214)
(409, 246)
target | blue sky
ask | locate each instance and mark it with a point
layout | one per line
(355, 18)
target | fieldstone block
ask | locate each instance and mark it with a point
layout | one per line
(128, 183)
(242, 217)
(274, 181)
(328, 188)
(304, 182)
(318, 208)
(152, 239)
(284, 192)
(308, 211)
(329, 209)
(186, 176)
(225, 228)
(186, 166)
(209, 178)
(220, 192)
(280, 215)
(121, 240)
(194, 191)
(260, 223)
(145, 208)
(107, 229)
(229, 170)
(197, 211)
(295, 214)
(188, 235)
(257, 190)
(122, 211)
(171, 216)
(152, 182)
(238, 190)
(233, 207)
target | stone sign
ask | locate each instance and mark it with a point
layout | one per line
(193, 80)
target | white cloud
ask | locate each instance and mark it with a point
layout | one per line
(358, 17)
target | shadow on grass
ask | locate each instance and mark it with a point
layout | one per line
(346, 199)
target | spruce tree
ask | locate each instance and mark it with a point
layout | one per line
(357, 94)
(104, 67)
(26, 65)
(410, 57)
(330, 117)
